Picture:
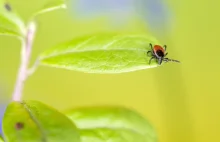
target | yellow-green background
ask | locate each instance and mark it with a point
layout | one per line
(181, 100)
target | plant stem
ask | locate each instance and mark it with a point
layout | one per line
(26, 49)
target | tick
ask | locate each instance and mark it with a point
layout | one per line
(159, 53)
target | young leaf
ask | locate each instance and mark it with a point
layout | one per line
(102, 53)
(34, 121)
(113, 135)
(9, 20)
(8, 32)
(54, 5)
(115, 118)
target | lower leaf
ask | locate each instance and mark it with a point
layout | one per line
(113, 118)
(33, 121)
(111, 135)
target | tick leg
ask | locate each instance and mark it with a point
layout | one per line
(165, 47)
(149, 53)
(165, 54)
(151, 59)
(151, 46)
(165, 60)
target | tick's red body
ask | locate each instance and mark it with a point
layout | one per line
(158, 48)
(158, 52)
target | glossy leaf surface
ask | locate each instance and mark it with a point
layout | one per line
(96, 122)
(102, 53)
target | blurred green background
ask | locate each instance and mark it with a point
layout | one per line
(182, 101)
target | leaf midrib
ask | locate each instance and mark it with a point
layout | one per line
(43, 137)
(42, 57)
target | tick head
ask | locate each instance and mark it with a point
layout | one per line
(160, 60)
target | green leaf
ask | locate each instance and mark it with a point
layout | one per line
(113, 135)
(9, 20)
(113, 118)
(102, 53)
(32, 121)
(8, 32)
(52, 6)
